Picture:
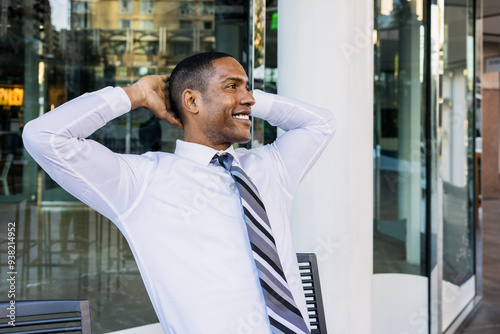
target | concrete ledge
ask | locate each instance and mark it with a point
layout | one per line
(146, 329)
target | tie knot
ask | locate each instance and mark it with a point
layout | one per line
(224, 159)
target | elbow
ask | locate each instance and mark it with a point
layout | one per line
(33, 137)
(29, 134)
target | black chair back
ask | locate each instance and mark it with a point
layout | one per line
(45, 316)
(308, 266)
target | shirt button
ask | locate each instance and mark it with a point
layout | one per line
(232, 186)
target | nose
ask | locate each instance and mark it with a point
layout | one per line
(247, 98)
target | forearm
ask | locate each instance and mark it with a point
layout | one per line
(289, 114)
(85, 168)
(308, 128)
(77, 118)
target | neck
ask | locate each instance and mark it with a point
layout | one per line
(198, 139)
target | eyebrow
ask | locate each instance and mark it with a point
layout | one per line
(239, 80)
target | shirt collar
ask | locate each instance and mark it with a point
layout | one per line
(199, 153)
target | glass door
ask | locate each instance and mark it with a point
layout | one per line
(400, 189)
(457, 159)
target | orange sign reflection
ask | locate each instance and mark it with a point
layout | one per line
(11, 96)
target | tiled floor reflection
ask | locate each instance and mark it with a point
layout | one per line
(389, 256)
(68, 251)
(390, 239)
(389, 246)
(485, 319)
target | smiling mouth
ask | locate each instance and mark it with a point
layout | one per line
(241, 116)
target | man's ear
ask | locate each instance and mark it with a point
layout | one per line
(189, 100)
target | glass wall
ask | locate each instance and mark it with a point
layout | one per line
(457, 156)
(53, 51)
(399, 137)
(424, 107)
(265, 62)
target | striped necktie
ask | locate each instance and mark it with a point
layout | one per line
(284, 316)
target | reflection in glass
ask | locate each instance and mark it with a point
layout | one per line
(271, 61)
(457, 146)
(399, 138)
(56, 52)
(265, 68)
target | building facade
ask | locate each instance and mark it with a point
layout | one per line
(392, 208)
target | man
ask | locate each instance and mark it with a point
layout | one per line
(182, 213)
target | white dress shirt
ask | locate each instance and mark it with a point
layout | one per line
(181, 215)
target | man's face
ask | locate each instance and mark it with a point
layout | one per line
(225, 105)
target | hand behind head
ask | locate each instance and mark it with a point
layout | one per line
(151, 92)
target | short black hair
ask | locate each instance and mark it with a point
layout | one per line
(191, 73)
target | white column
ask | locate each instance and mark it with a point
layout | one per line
(325, 57)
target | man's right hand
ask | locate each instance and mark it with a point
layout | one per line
(151, 92)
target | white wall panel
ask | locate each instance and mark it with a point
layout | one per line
(325, 57)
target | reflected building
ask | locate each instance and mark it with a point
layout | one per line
(65, 249)
(142, 37)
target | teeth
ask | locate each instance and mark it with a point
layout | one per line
(241, 116)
